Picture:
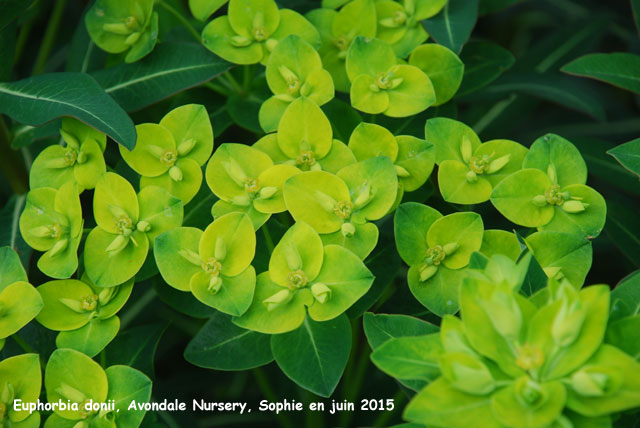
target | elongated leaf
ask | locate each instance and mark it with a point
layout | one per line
(618, 69)
(624, 232)
(452, 27)
(7, 47)
(136, 347)
(84, 55)
(169, 69)
(489, 6)
(550, 87)
(483, 63)
(314, 355)
(11, 9)
(221, 345)
(382, 327)
(10, 233)
(628, 154)
(40, 99)
(635, 6)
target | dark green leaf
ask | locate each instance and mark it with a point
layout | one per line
(483, 63)
(24, 135)
(40, 99)
(84, 55)
(628, 154)
(489, 6)
(381, 327)
(314, 355)
(10, 233)
(635, 7)
(7, 47)
(244, 112)
(452, 26)
(343, 119)
(170, 68)
(625, 297)
(136, 347)
(183, 302)
(618, 69)
(625, 234)
(221, 345)
(11, 9)
(625, 335)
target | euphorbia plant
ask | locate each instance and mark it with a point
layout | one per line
(20, 379)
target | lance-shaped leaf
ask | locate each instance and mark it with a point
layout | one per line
(410, 358)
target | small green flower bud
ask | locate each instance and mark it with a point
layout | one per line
(374, 88)
(326, 201)
(235, 172)
(529, 357)
(466, 149)
(471, 177)
(292, 256)
(155, 151)
(568, 323)
(240, 41)
(396, 82)
(281, 298)
(321, 292)
(132, 38)
(574, 207)
(401, 171)
(270, 44)
(70, 393)
(221, 249)
(539, 201)
(316, 167)
(589, 384)
(119, 28)
(528, 391)
(348, 230)
(59, 247)
(127, 232)
(215, 284)
(185, 147)
(306, 89)
(175, 173)
(427, 271)
(106, 294)
(117, 245)
(58, 163)
(451, 248)
(70, 139)
(343, 55)
(190, 256)
(267, 192)
(466, 373)
(284, 97)
(389, 23)
(74, 305)
(551, 172)
(82, 157)
(41, 232)
(242, 200)
(143, 226)
(498, 164)
(89, 303)
(364, 197)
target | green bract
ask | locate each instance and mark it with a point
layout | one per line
(252, 29)
(516, 362)
(442, 66)
(80, 160)
(437, 249)
(203, 9)
(52, 222)
(215, 265)
(19, 301)
(550, 192)
(305, 276)
(83, 312)
(469, 170)
(305, 140)
(338, 30)
(341, 206)
(399, 22)
(20, 379)
(380, 85)
(246, 181)
(127, 224)
(294, 70)
(169, 155)
(412, 157)
(71, 376)
(118, 26)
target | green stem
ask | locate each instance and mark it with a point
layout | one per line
(246, 77)
(49, 36)
(233, 82)
(10, 162)
(398, 403)
(24, 345)
(182, 20)
(268, 238)
(217, 88)
(103, 359)
(267, 392)
(137, 307)
(23, 37)
(355, 372)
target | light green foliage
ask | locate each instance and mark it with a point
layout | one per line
(118, 26)
(341, 206)
(127, 224)
(203, 9)
(246, 180)
(550, 192)
(337, 31)
(437, 249)
(81, 159)
(468, 170)
(215, 265)
(509, 361)
(170, 154)
(252, 29)
(52, 222)
(19, 301)
(83, 312)
(71, 376)
(442, 66)
(20, 379)
(399, 22)
(294, 70)
(380, 85)
(305, 276)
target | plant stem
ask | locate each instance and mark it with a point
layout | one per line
(398, 401)
(233, 82)
(267, 237)
(23, 37)
(182, 20)
(11, 164)
(355, 372)
(247, 72)
(267, 392)
(137, 307)
(217, 88)
(24, 345)
(49, 36)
